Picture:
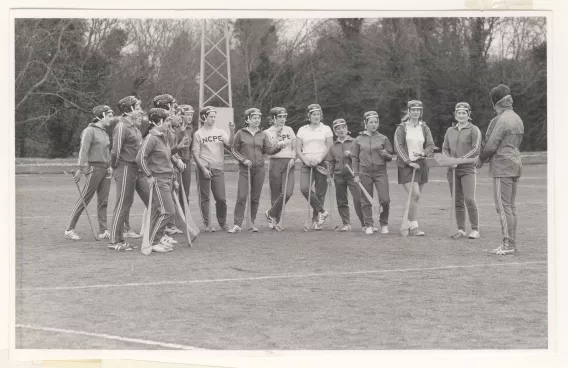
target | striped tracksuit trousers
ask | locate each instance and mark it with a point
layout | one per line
(96, 182)
(505, 192)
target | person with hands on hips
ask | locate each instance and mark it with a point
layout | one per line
(208, 149)
(413, 142)
(154, 157)
(371, 152)
(339, 156)
(282, 165)
(249, 147)
(94, 163)
(463, 140)
(312, 145)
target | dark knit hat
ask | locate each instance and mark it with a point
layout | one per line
(497, 93)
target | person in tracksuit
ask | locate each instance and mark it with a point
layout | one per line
(280, 164)
(339, 155)
(463, 140)
(312, 145)
(94, 162)
(500, 148)
(176, 143)
(155, 159)
(249, 147)
(127, 139)
(209, 144)
(185, 132)
(371, 152)
(413, 142)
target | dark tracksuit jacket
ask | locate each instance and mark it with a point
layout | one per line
(155, 159)
(253, 147)
(343, 179)
(371, 167)
(94, 152)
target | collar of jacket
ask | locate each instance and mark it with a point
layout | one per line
(403, 124)
(364, 132)
(309, 125)
(347, 138)
(96, 125)
(467, 126)
(153, 131)
(127, 120)
(251, 133)
(506, 103)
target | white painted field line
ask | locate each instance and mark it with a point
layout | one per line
(276, 277)
(109, 337)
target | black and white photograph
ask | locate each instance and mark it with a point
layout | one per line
(350, 181)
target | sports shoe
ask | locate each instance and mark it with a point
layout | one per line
(170, 240)
(271, 220)
(369, 230)
(254, 229)
(159, 248)
(71, 234)
(165, 243)
(132, 234)
(474, 234)
(345, 227)
(225, 227)
(173, 230)
(105, 235)
(321, 217)
(459, 234)
(375, 229)
(210, 229)
(416, 232)
(502, 250)
(121, 247)
(317, 226)
(384, 229)
(234, 229)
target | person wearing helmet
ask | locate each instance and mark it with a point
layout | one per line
(339, 156)
(209, 144)
(176, 143)
(463, 140)
(500, 148)
(371, 153)
(249, 147)
(413, 142)
(280, 164)
(127, 139)
(94, 162)
(185, 135)
(154, 157)
(312, 145)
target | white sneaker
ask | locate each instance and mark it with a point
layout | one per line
(254, 229)
(170, 240)
(160, 248)
(71, 234)
(105, 235)
(165, 243)
(317, 226)
(384, 229)
(321, 217)
(364, 229)
(234, 229)
(172, 230)
(131, 234)
(210, 229)
(474, 234)
(375, 229)
(346, 227)
(369, 230)
(459, 234)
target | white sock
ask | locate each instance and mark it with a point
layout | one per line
(413, 224)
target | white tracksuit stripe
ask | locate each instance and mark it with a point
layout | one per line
(119, 207)
(161, 217)
(80, 202)
(502, 209)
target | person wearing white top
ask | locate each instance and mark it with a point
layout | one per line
(281, 165)
(413, 142)
(312, 145)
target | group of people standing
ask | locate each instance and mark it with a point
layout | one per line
(162, 162)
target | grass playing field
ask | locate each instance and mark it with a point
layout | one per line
(289, 290)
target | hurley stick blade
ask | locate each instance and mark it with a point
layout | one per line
(405, 226)
(180, 218)
(146, 248)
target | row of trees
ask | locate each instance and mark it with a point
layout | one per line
(64, 67)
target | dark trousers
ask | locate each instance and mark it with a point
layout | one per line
(96, 182)
(317, 198)
(216, 185)
(378, 179)
(505, 192)
(342, 183)
(277, 178)
(465, 198)
(163, 207)
(257, 174)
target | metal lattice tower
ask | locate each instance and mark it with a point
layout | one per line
(215, 75)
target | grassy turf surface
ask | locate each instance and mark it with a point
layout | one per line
(289, 290)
